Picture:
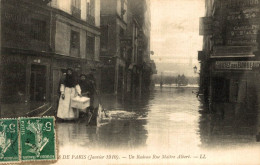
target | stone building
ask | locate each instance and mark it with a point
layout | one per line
(231, 42)
(39, 40)
(76, 37)
(125, 45)
(230, 61)
(113, 28)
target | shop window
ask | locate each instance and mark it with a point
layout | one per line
(91, 12)
(90, 46)
(38, 30)
(14, 80)
(74, 43)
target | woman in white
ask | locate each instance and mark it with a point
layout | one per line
(69, 89)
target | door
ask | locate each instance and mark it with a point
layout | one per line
(221, 87)
(120, 80)
(38, 83)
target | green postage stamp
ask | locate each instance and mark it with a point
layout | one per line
(9, 141)
(37, 138)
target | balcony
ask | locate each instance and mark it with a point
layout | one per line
(75, 12)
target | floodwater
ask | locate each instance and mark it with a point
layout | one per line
(167, 121)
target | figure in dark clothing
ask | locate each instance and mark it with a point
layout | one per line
(87, 85)
(69, 89)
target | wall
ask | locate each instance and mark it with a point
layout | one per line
(64, 5)
(97, 48)
(83, 43)
(110, 23)
(97, 12)
(107, 7)
(84, 10)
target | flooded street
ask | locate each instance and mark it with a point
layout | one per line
(166, 121)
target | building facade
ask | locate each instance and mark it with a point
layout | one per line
(76, 38)
(231, 42)
(113, 28)
(39, 40)
(125, 45)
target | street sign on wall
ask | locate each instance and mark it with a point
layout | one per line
(233, 51)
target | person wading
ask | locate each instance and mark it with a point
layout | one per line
(69, 89)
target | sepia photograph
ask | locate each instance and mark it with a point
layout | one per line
(130, 82)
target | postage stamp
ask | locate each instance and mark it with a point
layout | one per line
(9, 140)
(37, 138)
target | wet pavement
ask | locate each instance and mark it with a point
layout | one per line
(165, 121)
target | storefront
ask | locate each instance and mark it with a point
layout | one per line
(26, 65)
(235, 82)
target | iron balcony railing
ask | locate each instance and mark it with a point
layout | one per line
(91, 19)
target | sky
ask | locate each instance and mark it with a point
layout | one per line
(175, 36)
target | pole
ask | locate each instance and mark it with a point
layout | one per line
(1, 78)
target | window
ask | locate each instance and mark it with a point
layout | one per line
(38, 30)
(221, 88)
(91, 12)
(91, 7)
(90, 46)
(122, 47)
(75, 8)
(74, 43)
(123, 8)
(76, 3)
(104, 37)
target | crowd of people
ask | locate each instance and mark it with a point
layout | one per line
(72, 86)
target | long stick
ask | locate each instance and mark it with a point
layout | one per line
(99, 100)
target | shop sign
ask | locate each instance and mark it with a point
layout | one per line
(242, 22)
(243, 14)
(232, 51)
(205, 27)
(236, 65)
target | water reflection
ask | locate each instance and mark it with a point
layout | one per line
(167, 119)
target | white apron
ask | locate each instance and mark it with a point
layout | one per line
(65, 111)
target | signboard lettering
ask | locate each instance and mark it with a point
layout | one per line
(236, 65)
(241, 3)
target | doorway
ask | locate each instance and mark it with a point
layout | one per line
(38, 83)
